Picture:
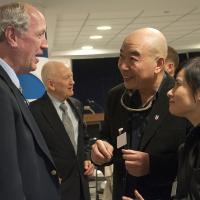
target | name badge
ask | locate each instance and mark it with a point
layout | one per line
(121, 140)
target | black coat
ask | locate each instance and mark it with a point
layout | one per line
(69, 165)
(161, 139)
(26, 164)
(188, 178)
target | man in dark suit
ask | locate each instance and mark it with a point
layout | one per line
(137, 110)
(27, 170)
(70, 152)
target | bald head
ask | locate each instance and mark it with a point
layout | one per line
(142, 59)
(58, 79)
(52, 70)
(149, 38)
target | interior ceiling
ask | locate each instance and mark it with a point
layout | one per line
(71, 22)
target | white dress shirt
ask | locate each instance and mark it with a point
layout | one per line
(71, 114)
(11, 73)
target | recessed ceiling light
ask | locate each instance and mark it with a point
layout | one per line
(87, 47)
(104, 28)
(96, 37)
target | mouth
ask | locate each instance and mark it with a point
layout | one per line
(127, 78)
(171, 101)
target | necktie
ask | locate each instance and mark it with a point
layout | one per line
(68, 124)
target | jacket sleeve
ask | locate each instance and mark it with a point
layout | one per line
(86, 138)
(10, 177)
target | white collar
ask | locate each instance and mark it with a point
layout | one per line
(11, 73)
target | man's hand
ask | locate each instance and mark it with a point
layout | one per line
(136, 162)
(102, 152)
(138, 196)
(88, 168)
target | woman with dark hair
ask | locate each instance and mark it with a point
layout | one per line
(184, 101)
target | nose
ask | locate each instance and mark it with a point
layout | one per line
(170, 93)
(44, 44)
(123, 64)
(72, 81)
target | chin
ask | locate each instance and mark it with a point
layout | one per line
(70, 94)
(128, 86)
(33, 67)
(174, 112)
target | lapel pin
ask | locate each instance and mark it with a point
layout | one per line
(156, 117)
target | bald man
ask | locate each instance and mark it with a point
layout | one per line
(145, 153)
(68, 145)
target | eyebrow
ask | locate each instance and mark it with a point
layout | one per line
(133, 52)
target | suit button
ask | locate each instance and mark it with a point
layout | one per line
(53, 172)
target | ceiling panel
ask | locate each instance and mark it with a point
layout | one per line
(71, 22)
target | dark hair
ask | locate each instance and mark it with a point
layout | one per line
(192, 74)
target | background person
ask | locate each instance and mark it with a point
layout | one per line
(26, 164)
(148, 162)
(71, 155)
(172, 61)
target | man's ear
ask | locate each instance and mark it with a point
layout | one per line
(169, 67)
(159, 65)
(50, 85)
(10, 35)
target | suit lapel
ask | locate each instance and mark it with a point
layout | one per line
(51, 116)
(158, 112)
(76, 109)
(26, 113)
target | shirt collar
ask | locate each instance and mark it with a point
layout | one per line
(11, 73)
(56, 102)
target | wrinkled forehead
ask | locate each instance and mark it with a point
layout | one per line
(134, 44)
(64, 70)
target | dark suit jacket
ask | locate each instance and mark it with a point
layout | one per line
(68, 164)
(189, 167)
(26, 164)
(161, 138)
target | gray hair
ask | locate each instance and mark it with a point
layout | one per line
(13, 14)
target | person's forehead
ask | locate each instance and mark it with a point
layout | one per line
(132, 47)
(35, 16)
(181, 74)
(65, 70)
